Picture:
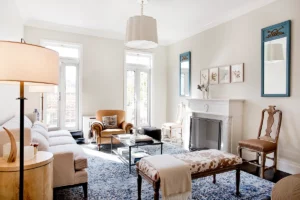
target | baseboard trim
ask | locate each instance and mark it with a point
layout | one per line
(282, 164)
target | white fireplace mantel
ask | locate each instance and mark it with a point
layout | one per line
(230, 111)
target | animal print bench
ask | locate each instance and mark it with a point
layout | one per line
(202, 163)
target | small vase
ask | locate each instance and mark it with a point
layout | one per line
(206, 95)
(203, 95)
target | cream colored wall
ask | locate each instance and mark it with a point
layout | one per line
(11, 28)
(103, 73)
(239, 41)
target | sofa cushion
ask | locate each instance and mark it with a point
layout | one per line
(40, 124)
(40, 139)
(14, 123)
(59, 133)
(62, 140)
(109, 132)
(41, 130)
(80, 160)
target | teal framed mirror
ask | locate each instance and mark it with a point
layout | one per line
(275, 63)
(185, 74)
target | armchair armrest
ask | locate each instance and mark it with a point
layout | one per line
(126, 126)
(97, 126)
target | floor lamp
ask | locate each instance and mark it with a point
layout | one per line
(28, 64)
(42, 90)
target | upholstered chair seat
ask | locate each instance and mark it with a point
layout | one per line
(109, 132)
(258, 145)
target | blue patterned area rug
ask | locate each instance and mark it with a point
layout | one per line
(109, 179)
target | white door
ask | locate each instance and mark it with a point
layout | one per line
(137, 90)
(61, 107)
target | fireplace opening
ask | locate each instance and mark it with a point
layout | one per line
(205, 134)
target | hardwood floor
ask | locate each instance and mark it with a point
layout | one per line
(269, 175)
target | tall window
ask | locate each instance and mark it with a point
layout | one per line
(137, 88)
(62, 107)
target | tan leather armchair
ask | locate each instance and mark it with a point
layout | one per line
(103, 136)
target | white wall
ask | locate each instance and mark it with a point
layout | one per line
(239, 41)
(11, 28)
(103, 73)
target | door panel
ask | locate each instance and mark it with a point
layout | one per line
(70, 94)
(143, 99)
(137, 97)
(130, 104)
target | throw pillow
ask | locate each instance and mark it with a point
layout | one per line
(110, 121)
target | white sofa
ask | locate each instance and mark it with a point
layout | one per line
(70, 162)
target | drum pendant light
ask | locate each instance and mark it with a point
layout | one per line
(141, 32)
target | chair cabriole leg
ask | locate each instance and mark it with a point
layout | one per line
(263, 164)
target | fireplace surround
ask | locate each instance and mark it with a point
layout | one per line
(228, 111)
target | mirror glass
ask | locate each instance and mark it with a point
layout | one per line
(276, 60)
(275, 67)
(185, 74)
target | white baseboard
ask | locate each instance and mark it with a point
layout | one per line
(282, 164)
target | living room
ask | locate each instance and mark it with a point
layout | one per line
(202, 72)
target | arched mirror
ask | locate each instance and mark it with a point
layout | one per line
(185, 74)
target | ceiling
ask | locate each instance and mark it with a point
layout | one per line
(176, 19)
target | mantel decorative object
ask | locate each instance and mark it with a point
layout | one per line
(13, 147)
(205, 90)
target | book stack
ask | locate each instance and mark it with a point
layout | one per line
(124, 136)
(138, 156)
(141, 139)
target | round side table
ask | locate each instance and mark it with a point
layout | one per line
(38, 178)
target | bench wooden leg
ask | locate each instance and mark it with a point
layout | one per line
(238, 170)
(139, 180)
(214, 179)
(156, 190)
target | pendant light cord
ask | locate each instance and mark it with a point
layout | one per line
(142, 8)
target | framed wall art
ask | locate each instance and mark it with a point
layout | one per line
(224, 74)
(237, 73)
(204, 75)
(214, 76)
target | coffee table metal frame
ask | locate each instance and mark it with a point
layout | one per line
(131, 145)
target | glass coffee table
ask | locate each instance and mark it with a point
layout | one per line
(127, 159)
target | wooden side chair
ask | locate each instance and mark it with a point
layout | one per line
(264, 145)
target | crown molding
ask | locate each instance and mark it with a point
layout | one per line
(110, 34)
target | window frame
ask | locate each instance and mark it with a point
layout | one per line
(71, 61)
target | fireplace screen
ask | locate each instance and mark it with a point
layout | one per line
(205, 134)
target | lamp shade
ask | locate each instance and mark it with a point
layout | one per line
(42, 88)
(141, 32)
(31, 64)
(275, 52)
